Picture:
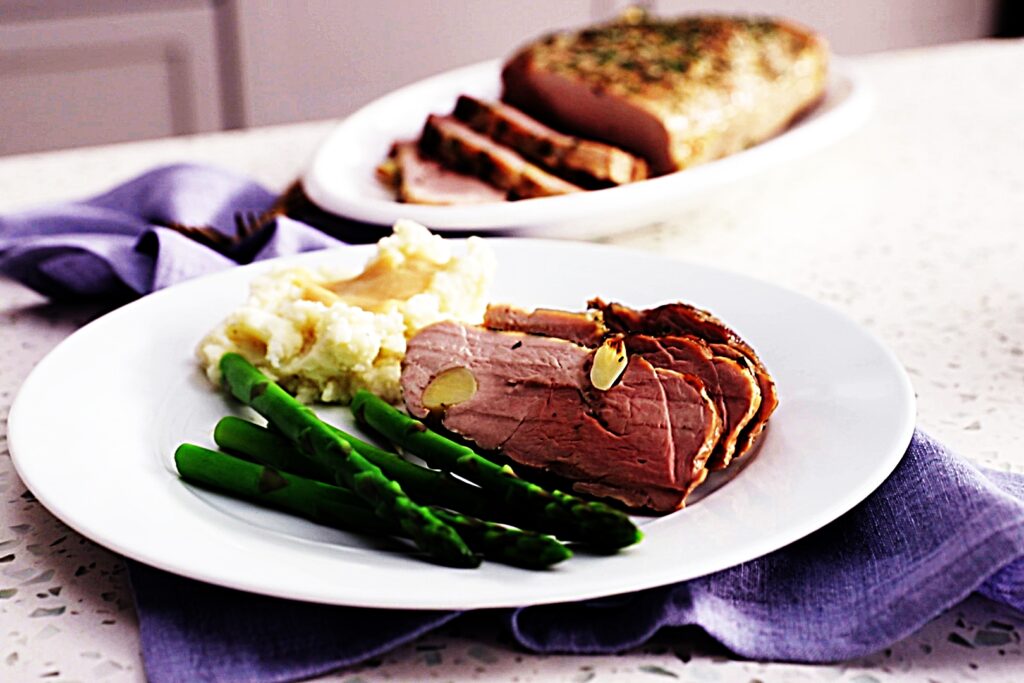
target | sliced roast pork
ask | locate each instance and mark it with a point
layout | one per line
(684, 319)
(727, 375)
(462, 149)
(644, 441)
(760, 410)
(673, 318)
(418, 180)
(581, 328)
(730, 384)
(584, 162)
(676, 92)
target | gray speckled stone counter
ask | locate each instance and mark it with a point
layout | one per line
(914, 226)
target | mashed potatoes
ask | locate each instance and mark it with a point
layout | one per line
(324, 334)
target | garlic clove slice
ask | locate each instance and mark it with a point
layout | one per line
(609, 363)
(448, 388)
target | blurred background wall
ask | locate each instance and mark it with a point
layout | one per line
(80, 72)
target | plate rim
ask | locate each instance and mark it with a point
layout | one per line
(523, 217)
(900, 439)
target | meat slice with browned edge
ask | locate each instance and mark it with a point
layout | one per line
(584, 162)
(685, 319)
(417, 180)
(676, 92)
(729, 384)
(760, 410)
(642, 442)
(462, 149)
(727, 376)
(581, 328)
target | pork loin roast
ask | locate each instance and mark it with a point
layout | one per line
(624, 101)
(677, 337)
(644, 442)
(692, 397)
(675, 92)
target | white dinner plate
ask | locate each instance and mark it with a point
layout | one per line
(94, 427)
(341, 178)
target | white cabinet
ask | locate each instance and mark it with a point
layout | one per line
(77, 73)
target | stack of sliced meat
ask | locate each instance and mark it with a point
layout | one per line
(489, 151)
(692, 395)
(614, 103)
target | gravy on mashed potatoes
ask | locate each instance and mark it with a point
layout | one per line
(324, 334)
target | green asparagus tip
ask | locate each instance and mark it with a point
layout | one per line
(179, 453)
(553, 554)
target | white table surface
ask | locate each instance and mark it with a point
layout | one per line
(914, 226)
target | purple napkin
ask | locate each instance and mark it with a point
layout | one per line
(112, 245)
(937, 530)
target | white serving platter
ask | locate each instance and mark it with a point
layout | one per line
(341, 178)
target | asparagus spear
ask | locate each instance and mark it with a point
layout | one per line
(267, 486)
(301, 425)
(261, 445)
(339, 507)
(566, 516)
(519, 547)
(423, 485)
(526, 549)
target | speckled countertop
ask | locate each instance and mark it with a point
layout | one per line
(914, 226)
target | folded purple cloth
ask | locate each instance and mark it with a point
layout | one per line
(113, 246)
(935, 531)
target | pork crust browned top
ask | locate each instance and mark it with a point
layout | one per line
(675, 92)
